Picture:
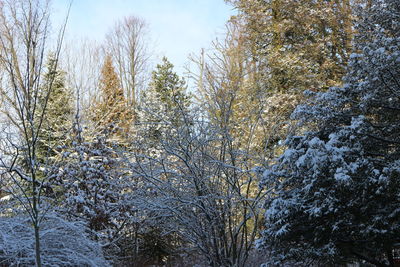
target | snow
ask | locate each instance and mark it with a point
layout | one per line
(340, 180)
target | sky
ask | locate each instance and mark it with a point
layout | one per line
(177, 28)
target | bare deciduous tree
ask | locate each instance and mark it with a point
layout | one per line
(202, 187)
(127, 43)
(82, 59)
(25, 28)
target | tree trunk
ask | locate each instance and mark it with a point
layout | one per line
(37, 244)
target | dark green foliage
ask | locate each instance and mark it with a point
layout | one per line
(55, 113)
(164, 107)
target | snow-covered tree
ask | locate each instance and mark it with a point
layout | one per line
(164, 107)
(201, 188)
(58, 118)
(95, 188)
(64, 243)
(335, 191)
(24, 32)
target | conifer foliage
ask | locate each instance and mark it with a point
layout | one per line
(111, 114)
(294, 46)
(57, 121)
(302, 44)
(164, 107)
(95, 188)
(169, 86)
(336, 188)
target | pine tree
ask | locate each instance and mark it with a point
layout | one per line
(110, 113)
(336, 188)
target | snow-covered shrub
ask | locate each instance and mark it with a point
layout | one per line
(95, 187)
(63, 243)
(202, 193)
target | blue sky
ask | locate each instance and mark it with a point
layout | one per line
(177, 27)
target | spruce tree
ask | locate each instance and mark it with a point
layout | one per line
(171, 90)
(57, 120)
(164, 107)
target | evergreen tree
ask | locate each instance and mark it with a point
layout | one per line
(57, 120)
(110, 113)
(336, 188)
(303, 44)
(294, 46)
(164, 107)
(94, 188)
(171, 90)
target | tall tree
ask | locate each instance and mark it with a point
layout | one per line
(127, 43)
(229, 88)
(110, 113)
(58, 119)
(82, 61)
(24, 28)
(335, 190)
(303, 44)
(164, 106)
(294, 46)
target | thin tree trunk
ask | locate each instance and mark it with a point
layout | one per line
(37, 244)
